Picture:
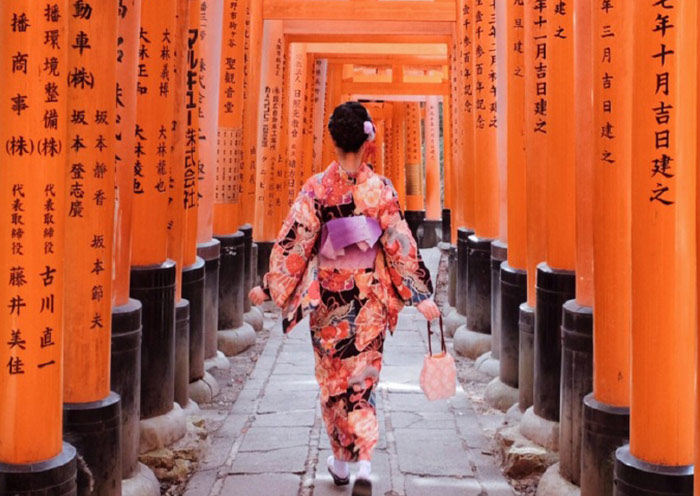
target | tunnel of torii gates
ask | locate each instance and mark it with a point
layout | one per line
(150, 150)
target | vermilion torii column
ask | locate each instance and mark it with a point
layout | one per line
(473, 340)
(555, 274)
(577, 321)
(513, 272)
(234, 334)
(125, 365)
(448, 180)
(606, 410)
(33, 133)
(536, 100)
(152, 273)
(389, 162)
(399, 139)
(92, 414)
(659, 458)
(269, 142)
(295, 120)
(319, 112)
(433, 210)
(415, 198)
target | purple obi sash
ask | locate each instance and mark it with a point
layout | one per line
(349, 242)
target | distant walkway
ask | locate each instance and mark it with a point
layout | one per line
(273, 441)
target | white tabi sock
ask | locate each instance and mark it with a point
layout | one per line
(339, 468)
(364, 470)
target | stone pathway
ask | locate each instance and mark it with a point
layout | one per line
(273, 442)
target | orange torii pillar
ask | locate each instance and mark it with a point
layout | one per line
(176, 208)
(535, 135)
(555, 272)
(415, 197)
(307, 165)
(92, 414)
(388, 171)
(659, 458)
(399, 119)
(225, 108)
(474, 339)
(126, 312)
(33, 133)
(332, 100)
(433, 196)
(319, 113)
(295, 122)
(379, 147)
(152, 273)
(577, 321)
(513, 272)
(448, 179)
(606, 410)
(202, 385)
(251, 91)
(268, 201)
(465, 224)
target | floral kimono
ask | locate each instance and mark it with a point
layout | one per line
(346, 256)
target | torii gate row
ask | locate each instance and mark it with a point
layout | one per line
(547, 122)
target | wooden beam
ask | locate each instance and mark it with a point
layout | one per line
(364, 10)
(375, 28)
(380, 60)
(382, 49)
(395, 88)
(369, 38)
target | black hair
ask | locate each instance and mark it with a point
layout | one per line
(347, 126)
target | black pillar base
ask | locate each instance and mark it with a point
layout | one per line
(526, 356)
(513, 294)
(247, 231)
(95, 430)
(210, 253)
(254, 267)
(264, 252)
(414, 219)
(452, 285)
(431, 233)
(193, 291)
(605, 429)
(446, 225)
(554, 288)
(126, 379)
(231, 280)
(499, 254)
(463, 234)
(54, 477)
(154, 287)
(182, 352)
(634, 477)
(576, 383)
(479, 284)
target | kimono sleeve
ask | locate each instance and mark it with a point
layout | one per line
(294, 247)
(408, 273)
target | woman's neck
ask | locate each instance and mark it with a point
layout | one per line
(350, 162)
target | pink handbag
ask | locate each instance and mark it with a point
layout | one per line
(438, 379)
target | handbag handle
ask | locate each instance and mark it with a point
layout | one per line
(442, 338)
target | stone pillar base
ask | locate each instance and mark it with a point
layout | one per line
(205, 389)
(541, 431)
(634, 477)
(487, 364)
(605, 429)
(163, 430)
(471, 344)
(255, 318)
(513, 284)
(234, 341)
(453, 320)
(553, 484)
(142, 483)
(500, 396)
(210, 252)
(94, 429)
(182, 351)
(218, 361)
(56, 476)
(414, 219)
(526, 356)
(264, 250)
(447, 225)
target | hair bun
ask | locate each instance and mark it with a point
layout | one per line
(347, 126)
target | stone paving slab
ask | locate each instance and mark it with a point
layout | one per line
(272, 440)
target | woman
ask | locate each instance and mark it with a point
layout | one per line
(346, 256)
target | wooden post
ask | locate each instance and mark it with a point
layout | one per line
(400, 153)
(606, 410)
(33, 132)
(92, 414)
(230, 154)
(660, 455)
(415, 197)
(319, 113)
(465, 37)
(433, 196)
(295, 122)
(448, 180)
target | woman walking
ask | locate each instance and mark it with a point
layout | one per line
(346, 256)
